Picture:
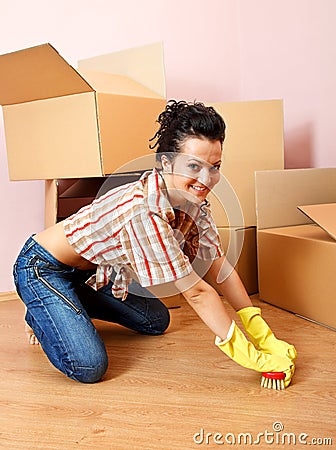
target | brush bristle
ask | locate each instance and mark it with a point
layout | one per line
(273, 380)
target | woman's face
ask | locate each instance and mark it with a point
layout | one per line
(194, 171)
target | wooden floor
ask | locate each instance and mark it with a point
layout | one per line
(176, 391)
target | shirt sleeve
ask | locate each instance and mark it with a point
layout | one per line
(152, 250)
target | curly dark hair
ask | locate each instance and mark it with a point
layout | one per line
(181, 120)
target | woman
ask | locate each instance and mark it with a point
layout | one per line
(157, 231)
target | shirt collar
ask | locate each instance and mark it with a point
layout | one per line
(156, 195)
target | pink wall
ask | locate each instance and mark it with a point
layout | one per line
(220, 50)
(288, 51)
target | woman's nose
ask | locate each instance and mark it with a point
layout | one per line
(205, 177)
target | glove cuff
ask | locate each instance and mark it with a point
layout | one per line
(249, 311)
(219, 341)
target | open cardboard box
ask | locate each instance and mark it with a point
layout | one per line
(296, 255)
(65, 123)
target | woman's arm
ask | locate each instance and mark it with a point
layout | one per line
(223, 277)
(206, 302)
(202, 295)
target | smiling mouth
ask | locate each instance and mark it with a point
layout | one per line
(200, 189)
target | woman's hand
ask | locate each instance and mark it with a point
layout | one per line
(243, 352)
(262, 336)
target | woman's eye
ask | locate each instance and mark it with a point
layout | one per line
(215, 168)
(193, 166)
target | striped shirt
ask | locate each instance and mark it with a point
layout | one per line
(134, 229)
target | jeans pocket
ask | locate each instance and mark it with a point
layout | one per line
(44, 264)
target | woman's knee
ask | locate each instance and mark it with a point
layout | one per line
(86, 364)
(159, 321)
(86, 371)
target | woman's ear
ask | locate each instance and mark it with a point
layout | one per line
(166, 164)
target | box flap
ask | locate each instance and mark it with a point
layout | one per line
(142, 64)
(309, 231)
(323, 215)
(109, 83)
(37, 73)
(279, 192)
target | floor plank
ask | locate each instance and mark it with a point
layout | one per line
(161, 392)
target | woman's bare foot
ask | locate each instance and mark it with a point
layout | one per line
(32, 339)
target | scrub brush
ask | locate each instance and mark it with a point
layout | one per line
(273, 380)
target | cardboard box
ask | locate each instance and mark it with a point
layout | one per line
(239, 245)
(254, 141)
(296, 257)
(64, 197)
(62, 123)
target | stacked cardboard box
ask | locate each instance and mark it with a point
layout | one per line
(254, 142)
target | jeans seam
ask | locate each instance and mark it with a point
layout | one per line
(28, 245)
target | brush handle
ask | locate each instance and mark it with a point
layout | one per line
(274, 375)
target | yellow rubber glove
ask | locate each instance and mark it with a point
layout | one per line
(243, 352)
(262, 336)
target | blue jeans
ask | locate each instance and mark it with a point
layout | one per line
(60, 307)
